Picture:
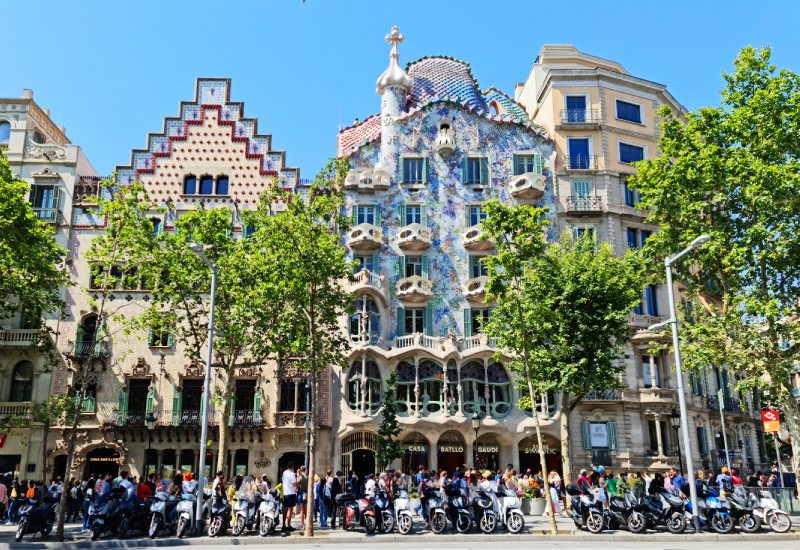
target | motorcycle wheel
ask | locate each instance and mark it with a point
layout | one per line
(387, 523)
(215, 527)
(97, 528)
(594, 523)
(487, 523)
(266, 526)
(183, 525)
(722, 523)
(677, 524)
(404, 524)
(21, 528)
(750, 523)
(636, 523)
(123, 529)
(238, 526)
(516, 523)
(463, 523)
(779, 522)
(370, 524)
(154, 527)
(438, 523)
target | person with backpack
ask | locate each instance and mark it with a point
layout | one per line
(88, 494)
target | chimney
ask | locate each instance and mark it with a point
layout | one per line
(46, 112)
(63, 130)
(27, 94)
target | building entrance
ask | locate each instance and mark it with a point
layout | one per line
(363, 463)
(529, 454)
(450, 452)
(283, 462)
(359, 447)
(102, 461)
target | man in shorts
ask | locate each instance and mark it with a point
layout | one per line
(289, 483)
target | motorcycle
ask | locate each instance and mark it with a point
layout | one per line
(585, 511)
(711, 510)
(185, 512)
(626, 510)
(269, 511)
(162, 507)
(402, 510)
(665, 508)
(357, 512)
(457, 508)
(135, 514)
(219, 516)
(766, 509)
(510, 514)
(483, 512)
(742, 510)
(105, 514)
(37, 516)
(246, 507)
(383, 510)
(434, 511)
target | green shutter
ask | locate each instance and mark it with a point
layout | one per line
(401, 172)
(423, 214)
(516, 165)
(426, 168)
(538, 161)
(401, 321)
(704, 442)
(151, 337)
(484, 171)
(401, 265)
(233, 409)
(425, 267)
(161, 226)
(378, 217)
(427, 321)
(612, 436)
(169, 338)
(402, 215)
(203, 402)
(376, 264)
(56, 196)
(32, 196)
(123, 405)
(98, 339)
(465, 170)
(468, 213)
(177, 403)
(467, 322)
(587, 439)
(79, 335)
(257, 401)
(355, 214)
(151, 394)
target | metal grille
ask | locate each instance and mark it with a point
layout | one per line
(355, 441)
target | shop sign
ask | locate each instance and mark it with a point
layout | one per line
(599, 435)
(772, 422)
(103, 459)
(488, 449)
(534, 449)
(2, 440)
(451, 449)
(415, 448)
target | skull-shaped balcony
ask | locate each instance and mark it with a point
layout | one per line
(367, 181)
(381, 180)
(365, 237)
(445, 139)
(473, 239)
(414, 237)
(527, 187)
(414, 289)
(475, 289)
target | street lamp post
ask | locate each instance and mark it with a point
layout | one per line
(675, 420)
(198, 249)
(673, 322)
(150, 420)
(476, 425)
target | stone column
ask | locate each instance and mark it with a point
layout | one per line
(486, 388)
(178, 459)
(446, 393)
(653, 372)
(469, 451)
(460, 412)
(433, 455)
(296, 392)
(363, 411)
(159, 461)
(417, 412)
(658, 435)
(515, 455)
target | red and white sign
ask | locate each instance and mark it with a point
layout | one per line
(2, 441)
(772, 421)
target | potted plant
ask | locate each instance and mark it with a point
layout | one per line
(533, 502)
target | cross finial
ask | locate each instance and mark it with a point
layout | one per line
(394, 38)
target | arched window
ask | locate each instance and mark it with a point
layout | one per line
(222, 185)
(431, 386)
(5, 132)
(404, 390)
(190, 185)
(22, 382)
(206, 185)
(365, 324)
(373, 378)
(87, 329)
(156, 225)
(38, 137)
(499, 391)
(473, 388)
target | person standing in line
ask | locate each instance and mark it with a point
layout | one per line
(302, 492)
(289, 483)
(88, 494)
(336, 490)
(325, 500)
(317, 482)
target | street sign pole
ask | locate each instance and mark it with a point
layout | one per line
(724, 437)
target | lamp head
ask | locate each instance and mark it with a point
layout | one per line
(476, 421)
(151, 421)
(701, 240)
(197, 248)
(675, 419)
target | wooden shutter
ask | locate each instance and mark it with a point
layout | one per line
(467, 322)
(98, 338)
(425, 267)
(257, 402)
(378, 218)
(465, 170)
(538, 163)
(177, 403)
(423, 214)
(484, 171)
(123, 406)
(233, 409)
(516, 164)
(402, 215)
(150, 397)
(401, 172)
(612, 435)
(151, 337)
(203, 402)
(32, 195)
(376, 264)
(468, 212)
(401, 321)
(78, 336)
(427, 321)
(401, 265)
(587, 438)
(169, 338)
(426, 168)
(56, 197)
(355, 214)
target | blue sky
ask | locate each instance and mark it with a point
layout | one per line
(111, 71)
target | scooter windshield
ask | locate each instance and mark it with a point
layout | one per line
(247, 490)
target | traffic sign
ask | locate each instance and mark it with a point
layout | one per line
(772, 422)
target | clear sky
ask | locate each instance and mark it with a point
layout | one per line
(111, 71)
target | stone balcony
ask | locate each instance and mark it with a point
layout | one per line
(18, 338)
(367, 181)
(445, 141)
(414, 237)
(414, 289)
(475, 289)
(17, 412)
(527, 187)
(365, 237)
(366, 278)
(473, 239)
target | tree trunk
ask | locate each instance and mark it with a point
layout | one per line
(542, 460)
(793, 425)
(62, 505)
(45, 434)
(312, 448)
(224, 428)
(566, 444)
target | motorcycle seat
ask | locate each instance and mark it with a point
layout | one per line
(344, 498)
(50, 499)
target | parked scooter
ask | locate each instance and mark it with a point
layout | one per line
(434, 511)
(162, 514)
(585, 511)
(766, 509)
(219, 516)
(402, 511)
(105, 514)
(457, 508)
(510, 515)
(625, 511)
(483, 512)
(246, 507)
(383, 511)
(742, 510)
(185, 512)
(357, 512)
(37, 516)
(713, 512)
(665, 508)
(270, 513)
(135, 514)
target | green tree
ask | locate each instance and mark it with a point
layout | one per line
(302, 269)
(733, 172)
(54, 411)
(389, 447)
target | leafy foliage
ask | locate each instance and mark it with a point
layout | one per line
(389, 447)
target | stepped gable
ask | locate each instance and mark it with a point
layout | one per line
(443, 77)
(353, 137)
(211, 136)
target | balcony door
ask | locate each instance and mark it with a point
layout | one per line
(579, 154)
(576, 108)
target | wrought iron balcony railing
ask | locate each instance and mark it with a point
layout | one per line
(577, 203)
(601, 457)
(47, 215)
(580, 116)
(580, 162)
(87, 350)
(602, 395)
